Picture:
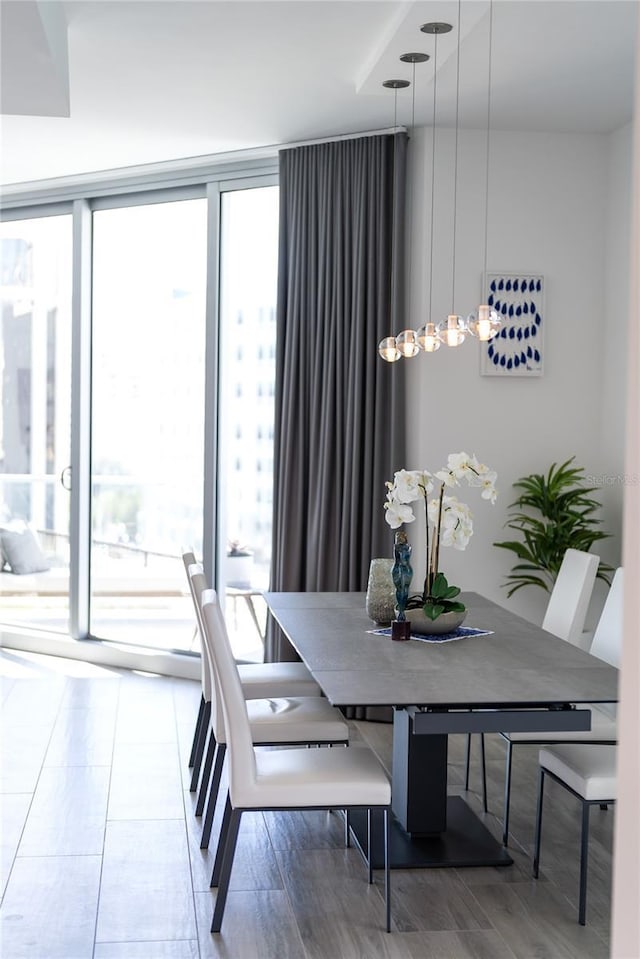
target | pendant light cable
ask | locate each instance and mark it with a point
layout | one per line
(433, 171)
(387, 347)
(413, 126)
(486, 193)
(455, 169)
(394, 178)
(412, 58)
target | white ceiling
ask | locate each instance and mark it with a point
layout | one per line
(92, 85)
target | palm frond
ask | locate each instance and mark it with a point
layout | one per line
(554, 511)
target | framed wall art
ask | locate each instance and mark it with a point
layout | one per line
(518, 348)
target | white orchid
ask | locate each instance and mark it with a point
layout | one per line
(410, 485)
(397, 514)
(451, 519)
(456, 525)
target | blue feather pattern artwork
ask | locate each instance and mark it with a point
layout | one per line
(517, 350)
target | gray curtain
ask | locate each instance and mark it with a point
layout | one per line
(339, 408)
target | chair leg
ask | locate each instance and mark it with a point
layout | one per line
(369, 846)
(213, 795)
(467, 762)
(584, 863)
(202, 738)
(206, 773)
(387, 870)
(225, 873)
(536, 845)
(507, 794)
(484, 774)
(347, 833)
(196, 733)
(222, 839)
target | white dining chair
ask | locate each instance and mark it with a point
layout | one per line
(588, 772)
(281, 721)
(285, 779)
(260, 680)
(564, 617)
(197, 745)
(606, 645)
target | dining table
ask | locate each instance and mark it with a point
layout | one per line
(509, 675)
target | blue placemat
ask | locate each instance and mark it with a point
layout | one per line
(462, 632)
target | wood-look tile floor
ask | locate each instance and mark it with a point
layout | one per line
(101, 856)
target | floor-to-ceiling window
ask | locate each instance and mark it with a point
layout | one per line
(170, 273)
(147, 422)
(35, 384)
(248, 268)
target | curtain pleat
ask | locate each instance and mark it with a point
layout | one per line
(339, 409)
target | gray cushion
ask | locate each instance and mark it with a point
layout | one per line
(22, 553)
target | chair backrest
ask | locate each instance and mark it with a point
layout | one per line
(569, 600)
(199, 587)
(607, 639)
(242, 760)
(189, 561)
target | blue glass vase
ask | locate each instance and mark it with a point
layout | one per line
(402, 573)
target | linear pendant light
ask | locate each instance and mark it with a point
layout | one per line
(485, 323)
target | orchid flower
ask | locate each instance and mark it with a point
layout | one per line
(450, 519)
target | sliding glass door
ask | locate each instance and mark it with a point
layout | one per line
(35, 378)
(147, 423)
(167, 361)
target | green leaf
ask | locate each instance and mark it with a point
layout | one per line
(432, 611)
(554, 511)
(441, 591)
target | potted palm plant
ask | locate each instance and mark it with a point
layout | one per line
(552, 513)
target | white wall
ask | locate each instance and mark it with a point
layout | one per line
(555, 207)
(616, 320)
(625, 931)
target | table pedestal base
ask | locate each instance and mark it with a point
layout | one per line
(466, 841)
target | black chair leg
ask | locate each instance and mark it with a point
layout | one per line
(536, 845)
(467, 762)
(370, 867)
(196, 733)
(584, 863)
(213, 795)
(507, 794)
(222, 839)
(387, 870)
(206, 773)
(225, 874)
(202, 739)
(484, 774)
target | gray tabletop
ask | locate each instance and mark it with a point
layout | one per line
(518, 664)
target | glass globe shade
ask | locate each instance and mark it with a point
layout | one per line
(452, 332)
(407, 343)
(388, 350)
(485, 323)
(427, 337)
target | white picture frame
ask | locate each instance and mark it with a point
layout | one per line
(518, 348)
